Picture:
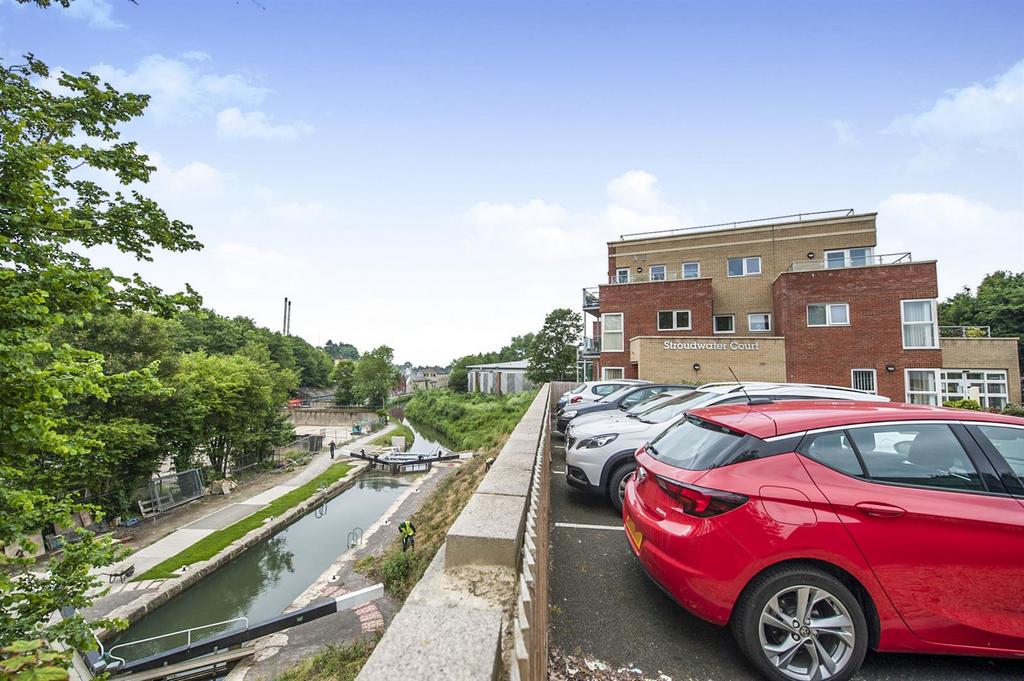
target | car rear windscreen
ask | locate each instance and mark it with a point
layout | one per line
(694, 445)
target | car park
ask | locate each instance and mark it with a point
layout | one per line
(621, 400)
(600, 453)
(818, 529)
(593, 390)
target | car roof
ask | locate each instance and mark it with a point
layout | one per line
(766, 388)
(796, 416)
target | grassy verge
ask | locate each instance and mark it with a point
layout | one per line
(333, 663)
(214, 543)
(400, 430)
(468, 420)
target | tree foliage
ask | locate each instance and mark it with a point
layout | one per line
(341, 350)
(375, 376)
(553, 350)
(998, 303)
(343, 375)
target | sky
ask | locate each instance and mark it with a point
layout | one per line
(437, 176)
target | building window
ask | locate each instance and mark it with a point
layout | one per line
(848, 257)
(920, 324)
(622, 275)
(991, 385)
(612, 373)
(691, 270)
(611, 333)
(760, 321)
(725, 323)
(864, 379)
(828, 314)
(922, 386)
(745, 267)
(657, 273)
(674, 320)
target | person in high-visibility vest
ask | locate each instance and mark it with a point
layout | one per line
(408, 532)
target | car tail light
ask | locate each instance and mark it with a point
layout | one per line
(575, 399)
(700, 502)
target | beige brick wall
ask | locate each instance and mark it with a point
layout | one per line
(660, 364)
(778, 245)
(984, 353)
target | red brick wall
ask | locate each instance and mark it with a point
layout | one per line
(874, 337)
(640, 304)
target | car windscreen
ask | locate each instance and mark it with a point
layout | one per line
(624, 390)
(694, 444)
(665, 411)
(650, 403)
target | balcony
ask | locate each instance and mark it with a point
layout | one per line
(965, 332)
(645, 277)
(591, 299)
(850, 262)
(590, 347)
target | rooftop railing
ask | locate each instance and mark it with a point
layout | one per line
(591, 298)
(850, 262)
(756, 222)
(965, 331)
(643, 277)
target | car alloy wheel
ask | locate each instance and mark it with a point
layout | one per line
(617, 484)
(806, 633)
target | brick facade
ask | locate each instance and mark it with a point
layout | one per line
(874, 338)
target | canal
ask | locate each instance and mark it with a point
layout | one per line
(263, 581)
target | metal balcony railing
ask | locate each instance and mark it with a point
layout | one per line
(643, 277)
(850, 262)
(591, 298)
(965, 331)
(590, 346)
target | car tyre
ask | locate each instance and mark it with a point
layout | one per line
(617, 483)
(774, 625)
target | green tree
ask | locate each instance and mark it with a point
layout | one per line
(341, 350)
(375, 376)
(343, 375)
(458, 375)
(518, 348)
(998, 303)
(51, 146)
(553, 351)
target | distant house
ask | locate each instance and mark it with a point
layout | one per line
(427, 378)
(500, 378)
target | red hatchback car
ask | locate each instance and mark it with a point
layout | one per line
(819, 529)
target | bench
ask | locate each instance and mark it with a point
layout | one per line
(122, 575)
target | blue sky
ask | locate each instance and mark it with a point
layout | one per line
(438, 175)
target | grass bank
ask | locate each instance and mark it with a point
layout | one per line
(214, 543)
(400, 430)
(333, 663)
(481, 422)
(468, 420)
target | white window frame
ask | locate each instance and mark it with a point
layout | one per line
(621, 332)
(828, 315)
(847, 258)
(934, 323)
(618, 275)
(874, 379)
(984, 396)
(767, 315)
(746, 270)
(606, 377)
(682, 269)
(664, 273)
(938, 386)
(714, 326)
(689, 321)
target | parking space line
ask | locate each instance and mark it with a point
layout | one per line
(580, 526)
(557, 472)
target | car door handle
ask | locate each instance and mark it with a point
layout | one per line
(878, 510)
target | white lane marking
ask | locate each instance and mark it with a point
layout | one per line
(557, 472)
(578, 526)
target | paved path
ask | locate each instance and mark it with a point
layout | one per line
(189, 534)
(606, 612)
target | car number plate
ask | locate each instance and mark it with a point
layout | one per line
(638, 537)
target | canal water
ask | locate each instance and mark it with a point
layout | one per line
(263, 581)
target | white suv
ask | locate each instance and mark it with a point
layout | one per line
(599, 451)
(594, 390)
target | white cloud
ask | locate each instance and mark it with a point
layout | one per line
(245, 269)
(180, 89)
(235, 123)
(634, 188)
(845, 136)
(300, 213)
(196, 55)
(990, 116)
(97, 13)
(935, 226)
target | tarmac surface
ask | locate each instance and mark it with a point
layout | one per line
(612, 622)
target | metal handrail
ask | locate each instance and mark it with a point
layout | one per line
(964, 331)
(843, 212)
(644, 277)
(861, 261)
(121, 660)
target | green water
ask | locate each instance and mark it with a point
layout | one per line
(263, 581)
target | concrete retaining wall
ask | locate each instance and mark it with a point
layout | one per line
(457, 622)
(329, 416)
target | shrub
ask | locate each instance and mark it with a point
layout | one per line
(972, 405)
(468, 420)
(1014, 410)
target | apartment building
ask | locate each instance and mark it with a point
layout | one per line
(802, 298)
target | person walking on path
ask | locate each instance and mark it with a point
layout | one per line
(408, 532)
(332, 449)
